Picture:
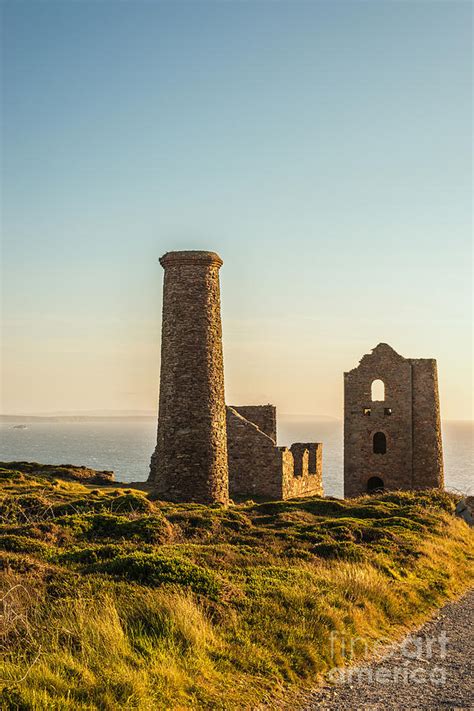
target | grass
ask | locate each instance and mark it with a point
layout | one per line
(111, 600)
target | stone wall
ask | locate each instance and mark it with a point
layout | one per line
(264, 416)
(303, 477)
(406, 422)
(260, 469)
(427, 446)
(254, 460)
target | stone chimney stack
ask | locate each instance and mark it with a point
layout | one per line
(190, 459)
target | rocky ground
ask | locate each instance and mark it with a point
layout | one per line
(432, 669)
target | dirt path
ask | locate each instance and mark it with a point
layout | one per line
(432, 669)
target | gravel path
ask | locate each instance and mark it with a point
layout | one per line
(431, 669)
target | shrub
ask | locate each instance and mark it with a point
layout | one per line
(7, 475)
(24, 507)
(89, 555)
(154, 569)
(23, 544)
(129, 502)
(150, 529)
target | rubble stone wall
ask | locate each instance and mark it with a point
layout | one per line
(257, 467)
(254, 460)
(264, 416)
(304, 478)
(427, 445)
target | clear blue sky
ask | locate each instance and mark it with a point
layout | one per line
(322, 148)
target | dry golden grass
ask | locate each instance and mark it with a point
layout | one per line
(110, 601)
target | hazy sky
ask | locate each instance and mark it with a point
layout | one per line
(322, 148)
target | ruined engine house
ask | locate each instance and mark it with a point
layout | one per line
(392, 427)
(204, 449)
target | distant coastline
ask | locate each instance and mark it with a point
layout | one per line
(130, 417)
(31, 419)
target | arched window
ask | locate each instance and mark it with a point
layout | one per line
(379, 443)
(375, 485)
(378, 390)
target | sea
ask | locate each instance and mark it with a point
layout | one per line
(125, 446)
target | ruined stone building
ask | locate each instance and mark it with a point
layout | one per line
(259, 468)
(203, 448)
(392, 428)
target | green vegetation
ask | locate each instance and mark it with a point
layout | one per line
(111, 600)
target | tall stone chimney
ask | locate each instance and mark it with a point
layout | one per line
(190, 459)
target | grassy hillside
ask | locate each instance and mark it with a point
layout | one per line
(111, 600)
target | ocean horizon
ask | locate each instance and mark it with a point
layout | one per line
(124, 444)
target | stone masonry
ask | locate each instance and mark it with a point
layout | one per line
(259, 468)
(394, 442)
(190, 459)
(199, 441)
(263, 416)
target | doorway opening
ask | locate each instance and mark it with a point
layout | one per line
(375, 485)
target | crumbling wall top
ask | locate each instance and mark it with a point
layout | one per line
(190, 256)
(264, 416)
